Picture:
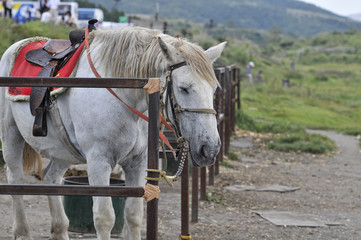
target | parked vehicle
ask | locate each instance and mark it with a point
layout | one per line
(23, 11)
(85, 14)
(72, 7)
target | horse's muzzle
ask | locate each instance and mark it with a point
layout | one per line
(206, 154)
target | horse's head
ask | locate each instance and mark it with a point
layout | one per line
(191, 84)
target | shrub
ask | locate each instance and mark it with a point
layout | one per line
(226, 164)
(233, 156)
(303, 142)
(246, 122)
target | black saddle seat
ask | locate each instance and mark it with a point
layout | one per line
(55, 46)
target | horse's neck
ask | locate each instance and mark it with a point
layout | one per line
(135, 98)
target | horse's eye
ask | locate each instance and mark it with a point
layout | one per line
(184, 90)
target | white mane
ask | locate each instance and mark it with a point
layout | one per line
(135, 52)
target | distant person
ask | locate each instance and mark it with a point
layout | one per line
(249, 71)
(53, 6)
(69, 20)
(46, 16)
(259, 77)
(25, 16)
(30, 14)
(61, 21)
(41, 6)
(293, 66)
(8, 5)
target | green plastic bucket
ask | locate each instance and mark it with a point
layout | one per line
(79, 208)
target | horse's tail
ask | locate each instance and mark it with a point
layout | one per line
(32, 161)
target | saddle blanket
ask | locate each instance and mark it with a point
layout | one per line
(22, 68)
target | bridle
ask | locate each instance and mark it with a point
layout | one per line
(176, 109)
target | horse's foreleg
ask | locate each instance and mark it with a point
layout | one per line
(134, 176)
(103, 211)
(13, 145)
(59, 221)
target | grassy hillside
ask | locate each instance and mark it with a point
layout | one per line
(291, 16)
(11, 32)
(325, 89)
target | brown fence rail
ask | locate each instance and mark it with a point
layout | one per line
(226, 99)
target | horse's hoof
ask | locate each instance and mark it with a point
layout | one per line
(23, 238)
(59, 237)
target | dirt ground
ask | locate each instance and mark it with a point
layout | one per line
(329, 189)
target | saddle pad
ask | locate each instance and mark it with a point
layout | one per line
(23, 68)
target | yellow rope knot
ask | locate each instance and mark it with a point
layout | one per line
(185, 237)
(162, 174)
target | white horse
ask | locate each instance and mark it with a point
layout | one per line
(103, 130)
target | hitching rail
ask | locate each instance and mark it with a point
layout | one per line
(153, 148)
(73, 82)
(225, 102)
(232, 89)
(41, 189)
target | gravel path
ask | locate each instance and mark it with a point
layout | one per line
(330, 189)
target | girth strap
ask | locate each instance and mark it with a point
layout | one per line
(62, 133)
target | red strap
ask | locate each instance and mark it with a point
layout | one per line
(162, 119)
(141, 115)
(88, 53)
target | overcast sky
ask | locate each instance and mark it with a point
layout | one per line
(340, 7)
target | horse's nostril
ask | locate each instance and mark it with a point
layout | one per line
(204, 150)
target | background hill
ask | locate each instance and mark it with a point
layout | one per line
(291, 16)
(356, 17)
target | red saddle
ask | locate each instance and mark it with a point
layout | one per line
(23, 68)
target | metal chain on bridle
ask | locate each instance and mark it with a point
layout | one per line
(176, 109)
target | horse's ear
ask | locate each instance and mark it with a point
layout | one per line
(215, 52)
(167, 50)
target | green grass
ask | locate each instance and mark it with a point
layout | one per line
(215, 197)
(293, 137)
(246, 122)
(303, 142)
(325, 88)
(11, 32)
(226, 164)
(333, 104)
(233, 156)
